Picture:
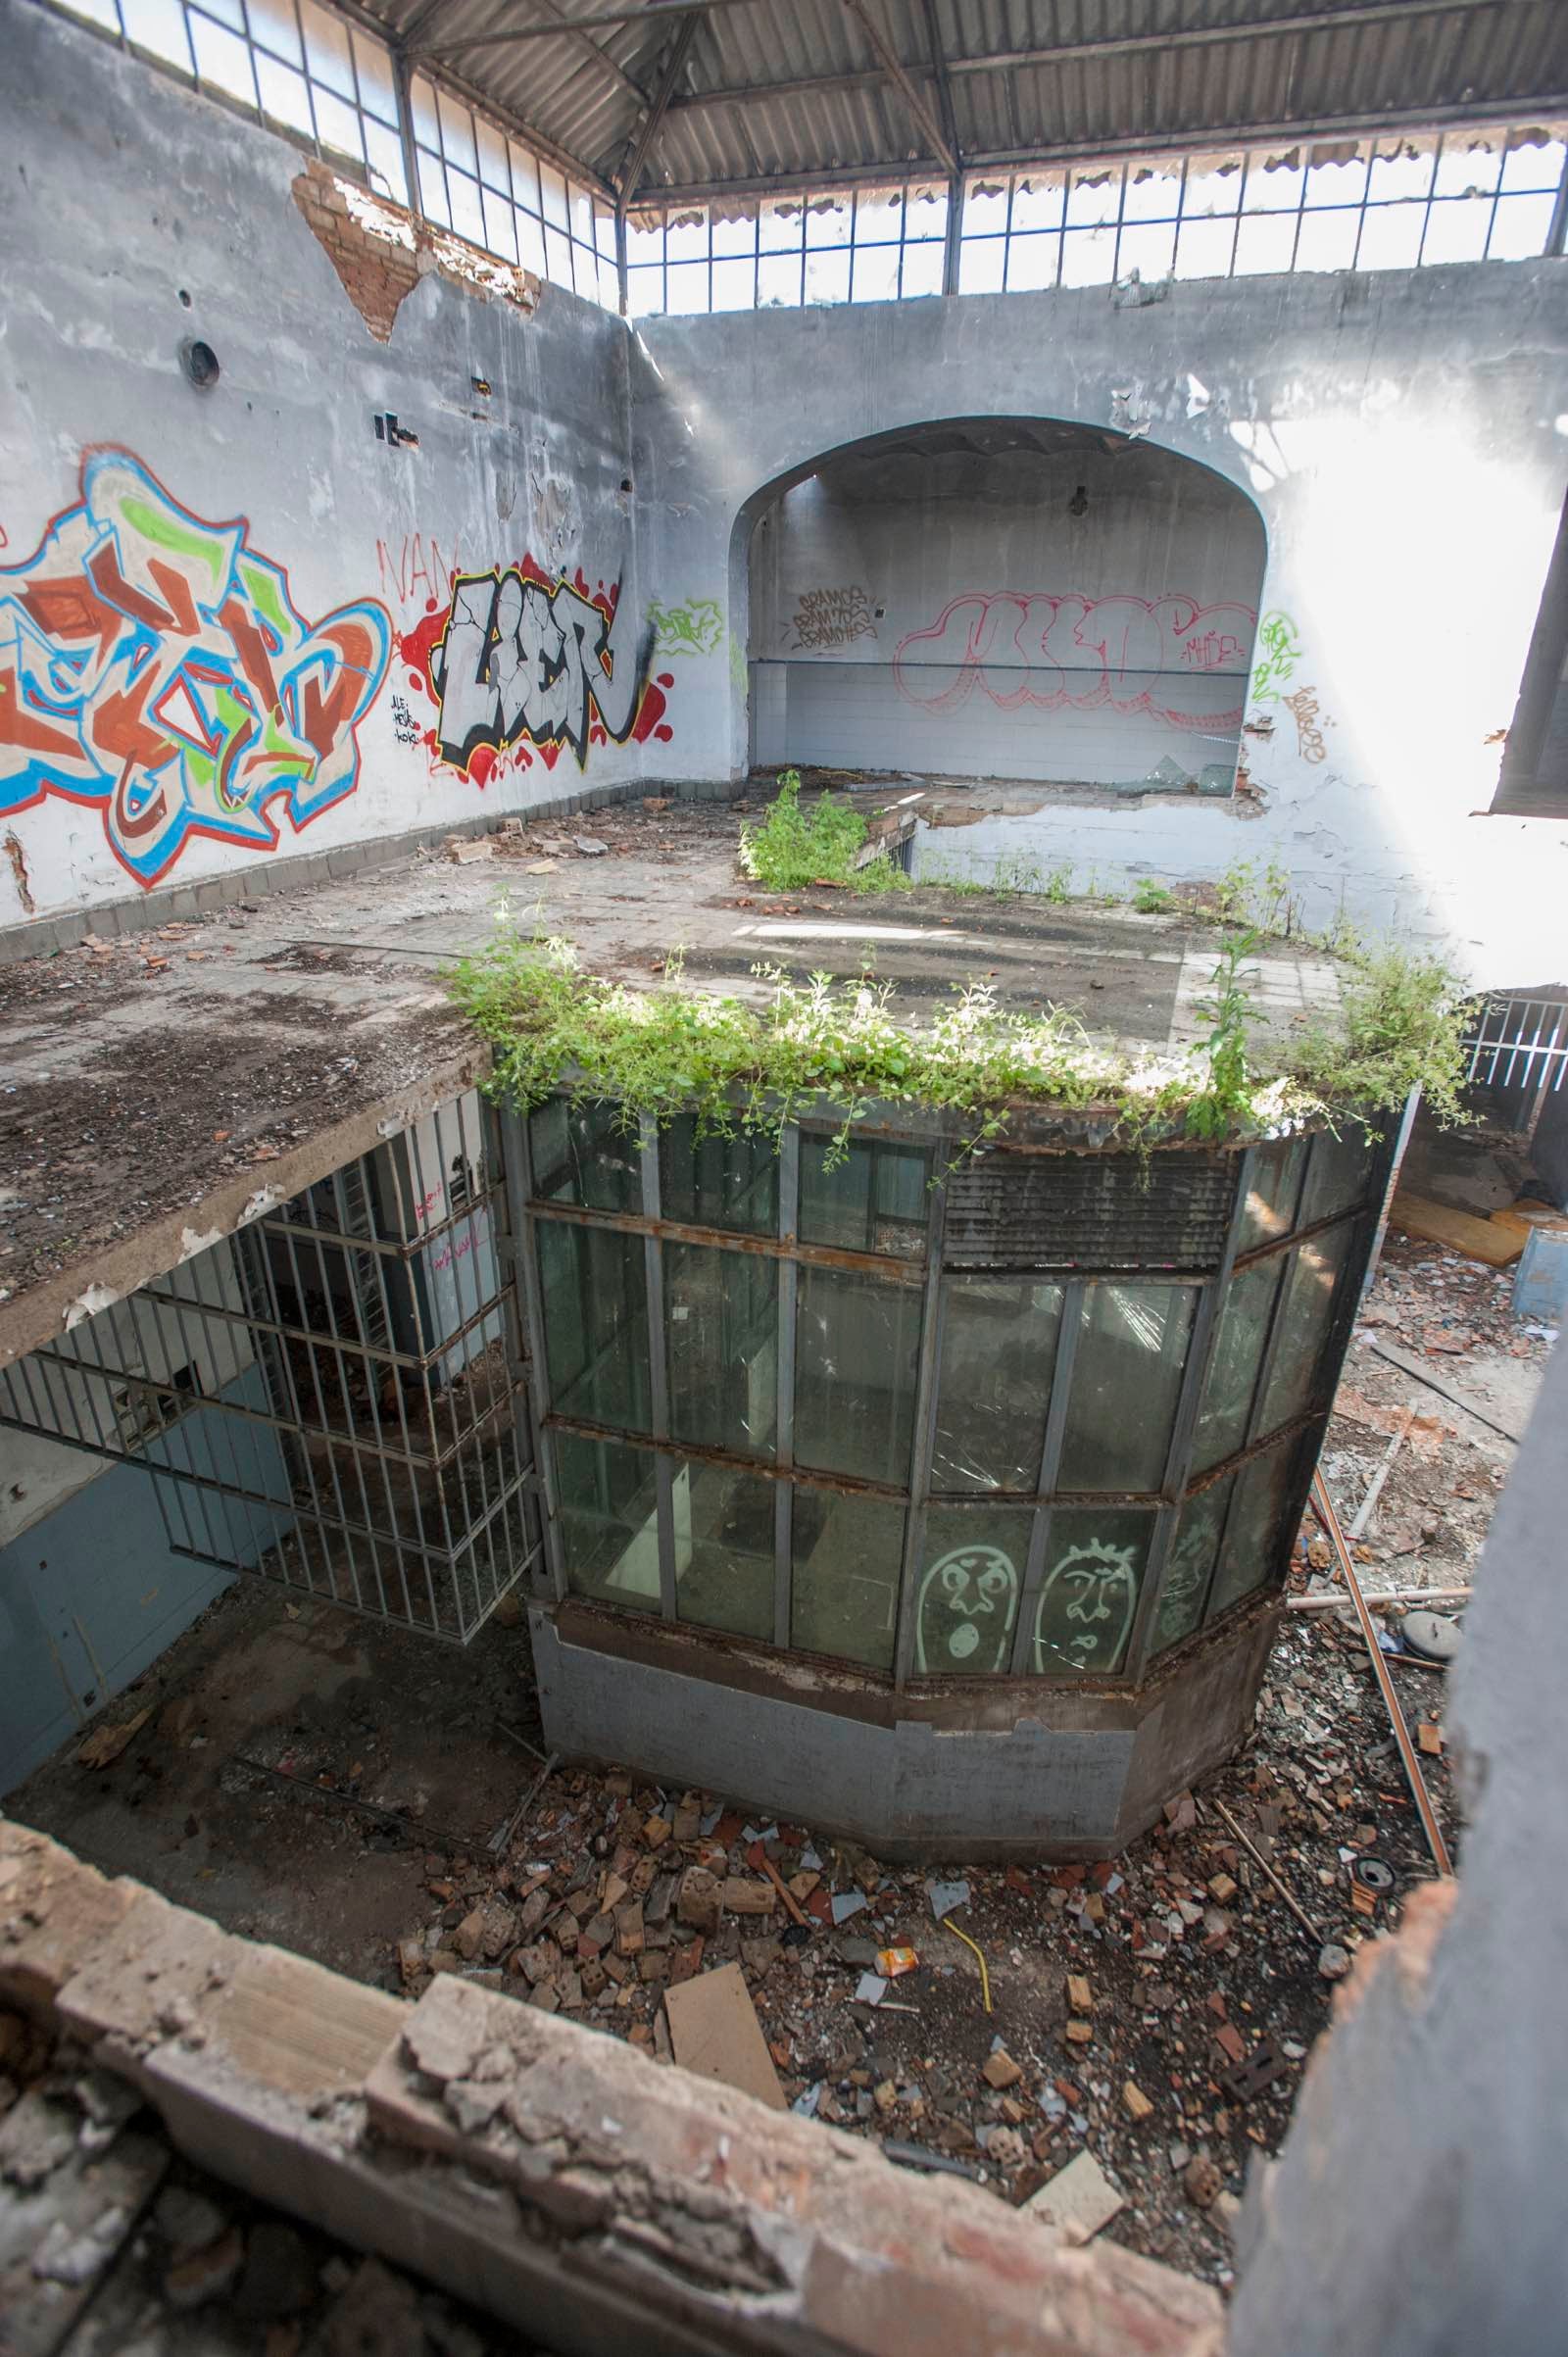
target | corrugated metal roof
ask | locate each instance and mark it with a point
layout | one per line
(793, 90)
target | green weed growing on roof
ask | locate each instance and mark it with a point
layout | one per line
(792, 848)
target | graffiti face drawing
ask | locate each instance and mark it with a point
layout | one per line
(155, 666)
(1086, 1608)
(966, 1606)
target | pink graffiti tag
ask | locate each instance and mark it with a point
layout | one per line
(1030, 648)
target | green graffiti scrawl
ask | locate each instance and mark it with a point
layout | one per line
(1279, 651)
(695, 628)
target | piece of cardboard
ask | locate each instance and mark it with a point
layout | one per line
(715, 2032)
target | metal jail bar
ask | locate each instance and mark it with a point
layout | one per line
(335, 1397)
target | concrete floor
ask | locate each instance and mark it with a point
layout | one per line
(160, 1088)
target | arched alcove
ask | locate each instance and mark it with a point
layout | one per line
(1004, 598)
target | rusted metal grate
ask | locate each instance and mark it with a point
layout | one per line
(1088, 1210)
(335, 1397)
(1517, 1044)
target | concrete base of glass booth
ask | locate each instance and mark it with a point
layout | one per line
(1003, 1769)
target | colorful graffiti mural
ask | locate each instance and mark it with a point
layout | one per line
(154, 665)
(518, 662)
(1027, 648)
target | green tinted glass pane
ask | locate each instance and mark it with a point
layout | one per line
(1233, 1371)
(724, 1549)
(1303, 1319)
(1340, 1173)
(1256, 1546)
(1126, 1379)
(847, 1558)
(856, 1340)
(1192, 1562)
(999, 1346)
(1088, 1597)
(594, 1301)
(1274, 1191)
(585, 1154)
(873, 1198)
(971, 1575)
(721, 1314)
(717, 1181)
(609, 1521)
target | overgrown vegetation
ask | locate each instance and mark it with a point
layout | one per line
(1152, 899)
(735, 1063)
(792, 848)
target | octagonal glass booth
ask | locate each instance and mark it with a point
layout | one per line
(945, 1505)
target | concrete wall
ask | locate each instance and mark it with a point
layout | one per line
(1405, 440)
(260, 528)
(1417, 2206)
(1073, 615)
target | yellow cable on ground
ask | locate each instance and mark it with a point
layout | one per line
(985, 1976)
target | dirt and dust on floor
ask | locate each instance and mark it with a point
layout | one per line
(112, 2245)
(384, 1806)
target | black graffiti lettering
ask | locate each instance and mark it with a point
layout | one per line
(519, 661)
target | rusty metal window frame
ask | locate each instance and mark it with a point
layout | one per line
(1225, 188)
(928, 1272)
(381, 1456)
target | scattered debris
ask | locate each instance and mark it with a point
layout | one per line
(105, 1743)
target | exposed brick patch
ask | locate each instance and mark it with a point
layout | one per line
(381, 252)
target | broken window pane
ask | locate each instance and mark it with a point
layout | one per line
(1095, 1562)
(1467, 166)
(586, 1154)
(1126, 1379)
(778, 279)
(609, 1521)
(847, 1556)
(718, 1181)
(594, 1288)
(781, 227)
(724, 1554)
(1274, 1193)
(1256, 1546)
(1153, 193)
(721, 1314)
(999, 1348)
(1244, 1326)
(985, 207)
(829, 222)
(1038, 201)
(1304, 1317)
(854, 1370)
(871, 1198)
(1149, 249)
(971, 1577)
(1191, 1565)
(1340, 1176)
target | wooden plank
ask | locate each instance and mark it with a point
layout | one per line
(1434, 1223)
(715, 2034)
(1522, 1220)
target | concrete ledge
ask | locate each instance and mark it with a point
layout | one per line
(579, 2190)
(172, 903)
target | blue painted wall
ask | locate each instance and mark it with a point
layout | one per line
(91, 1594)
